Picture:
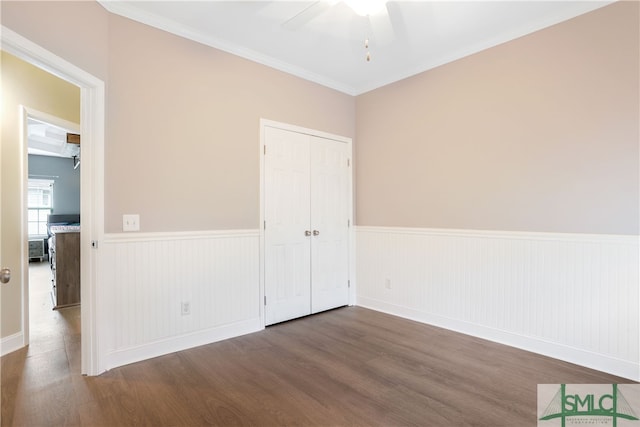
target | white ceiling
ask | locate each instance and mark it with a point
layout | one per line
(46, 139)
(413, 36)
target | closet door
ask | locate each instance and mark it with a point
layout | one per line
(329, 224)
(306, 180)
(287, 206)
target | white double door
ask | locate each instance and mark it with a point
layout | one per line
(306, 224)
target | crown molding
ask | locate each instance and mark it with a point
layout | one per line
(131, 12)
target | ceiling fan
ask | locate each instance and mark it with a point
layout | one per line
(376, 11)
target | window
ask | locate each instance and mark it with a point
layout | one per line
(40, 205)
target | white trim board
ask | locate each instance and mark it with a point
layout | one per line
(132, 12)
(53, 120)
(504, 234)
(569, 296)
(125, 356)
(176, 235)
(11, 343)
(622, 368)
(92, 117)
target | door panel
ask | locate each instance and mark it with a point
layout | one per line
(329, 216)
(306, 181)
(287, 211)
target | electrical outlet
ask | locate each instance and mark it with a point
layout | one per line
(131, 222)
(186, 308)
(387, 283)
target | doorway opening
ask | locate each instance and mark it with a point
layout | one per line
(53, 218)
(92, 117)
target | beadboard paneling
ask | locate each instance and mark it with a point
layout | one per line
(570, 296)
(148, 276)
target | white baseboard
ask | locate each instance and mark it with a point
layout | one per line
(170, 345)
(150, 276)
(574, 297)
(576, 356)
(11, 343)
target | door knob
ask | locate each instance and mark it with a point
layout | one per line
(316, 232)
(307, 233)
(5, 275)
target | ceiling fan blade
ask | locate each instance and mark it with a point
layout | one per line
(382, 27)
(309, 13)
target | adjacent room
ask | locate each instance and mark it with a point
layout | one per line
(53, 206)
(301, 213)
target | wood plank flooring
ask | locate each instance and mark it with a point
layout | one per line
(346, 367)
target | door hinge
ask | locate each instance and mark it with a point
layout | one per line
(265, 300)
(348, 162)
(348, 283)
(94, 244)
(265, 149)
(348, 223)
(264, 225)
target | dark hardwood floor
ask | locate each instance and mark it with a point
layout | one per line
(346, 367)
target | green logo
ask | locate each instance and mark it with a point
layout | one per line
(587, 407)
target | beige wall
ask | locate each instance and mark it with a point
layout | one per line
(183, 129)
(539, 134)
(182, 124)
(23, 84)
(74, 30)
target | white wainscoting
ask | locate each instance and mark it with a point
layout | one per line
(145, 277)
(570, 296)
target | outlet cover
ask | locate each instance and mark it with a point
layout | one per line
(186, 308)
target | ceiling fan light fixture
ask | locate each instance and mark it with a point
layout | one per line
(366, 7)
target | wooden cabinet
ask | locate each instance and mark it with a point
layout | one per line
(65, 269)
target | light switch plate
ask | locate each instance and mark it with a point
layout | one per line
(131, 222)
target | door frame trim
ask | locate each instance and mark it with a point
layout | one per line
(264, 123)
(92, 122)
